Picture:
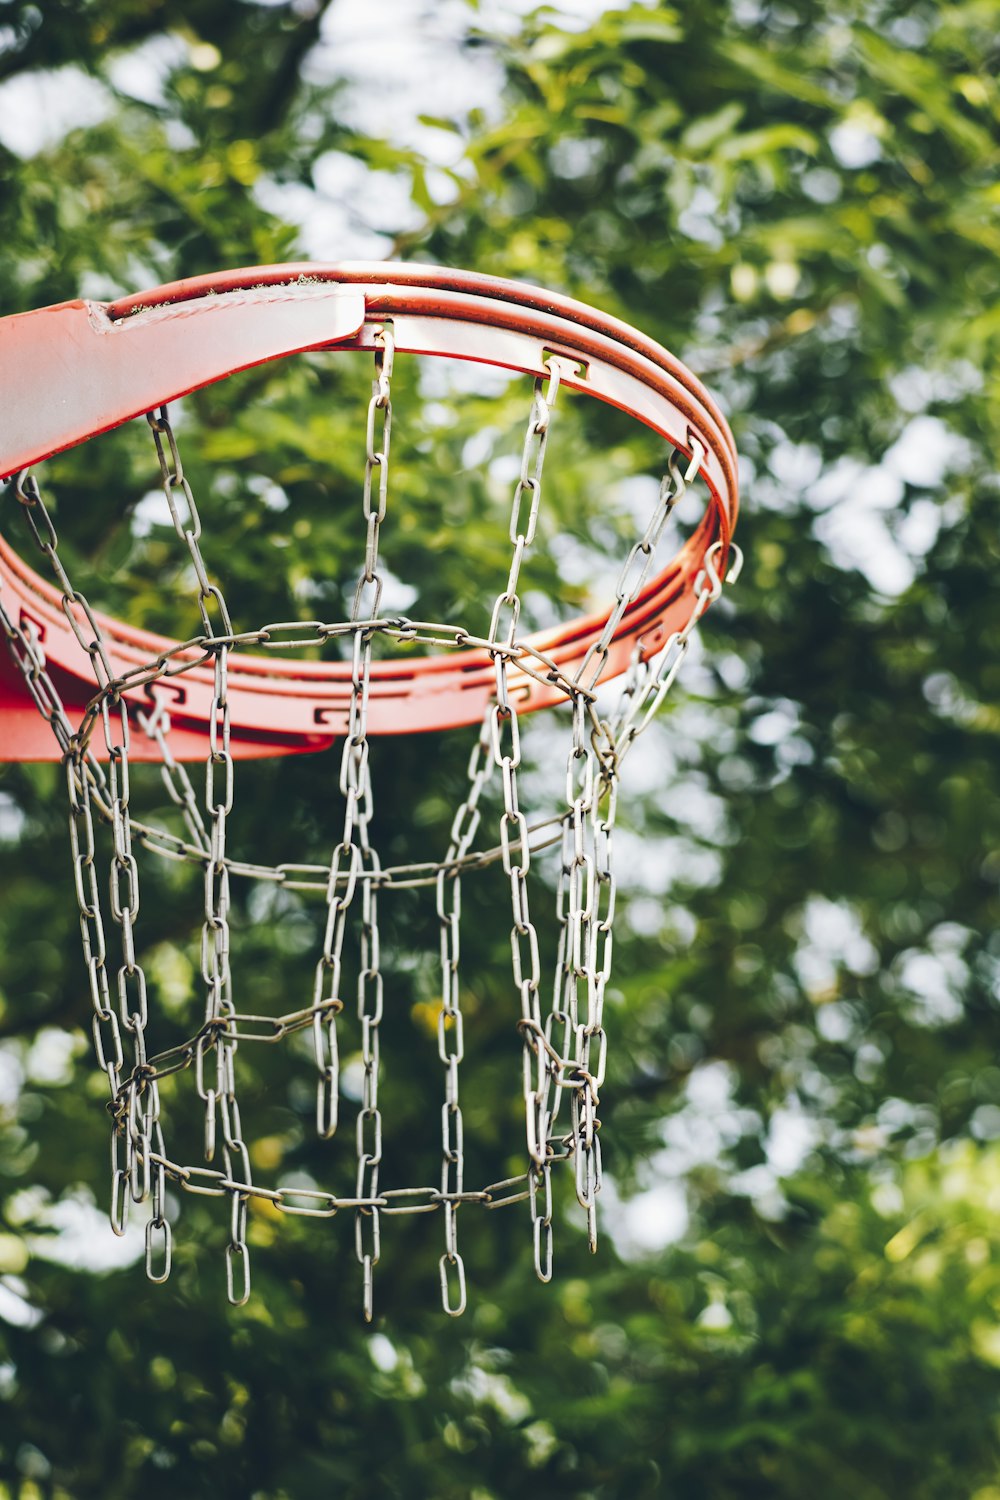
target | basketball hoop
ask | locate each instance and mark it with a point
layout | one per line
(99, 694)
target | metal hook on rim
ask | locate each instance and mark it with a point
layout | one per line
(709, 573)
(698, 451)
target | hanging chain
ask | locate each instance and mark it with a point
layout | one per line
(506, 746)
(81, 772)
(585, 897)
(451, 1038)
(155, 725)
(350, 857)
(187, 522)
(650, 678)
(356, 849)
(636, 567)
(220, 1099)
(136, 1114)
(584, 905)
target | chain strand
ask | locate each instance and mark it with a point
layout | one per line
(130, 1179)
(356, 847)
(451, 1038)
(506, 745)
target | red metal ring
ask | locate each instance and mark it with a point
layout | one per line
(80, 368)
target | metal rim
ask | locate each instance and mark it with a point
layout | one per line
(273, 311)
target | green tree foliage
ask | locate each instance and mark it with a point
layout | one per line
(801, 201)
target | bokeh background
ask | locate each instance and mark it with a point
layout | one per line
(797, 1288)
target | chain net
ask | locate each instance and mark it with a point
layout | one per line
(562, 1033)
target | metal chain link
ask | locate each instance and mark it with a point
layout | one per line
(650, 678)
(24, 643)
(506, 746)
(143, 1113)
(448, 900)
(356, 847)
(155, 725)
(187, 521)
(220, 1100)
(81, 772)
(584, 876)
(635, 569)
